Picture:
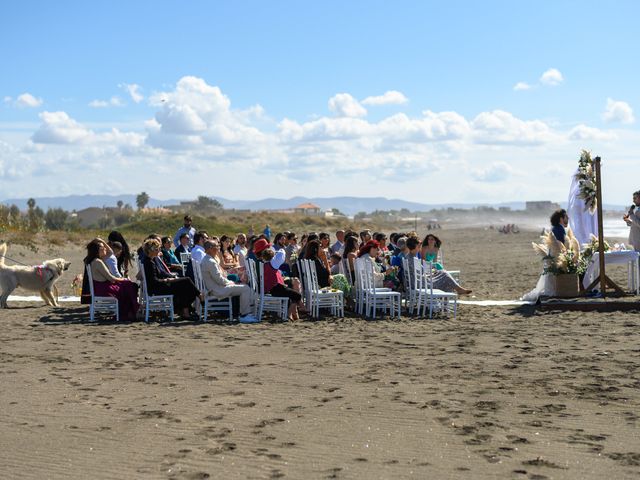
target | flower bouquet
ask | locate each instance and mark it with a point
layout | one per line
(76, 284)
(587, 253)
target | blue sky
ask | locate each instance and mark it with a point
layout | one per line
(291, 94)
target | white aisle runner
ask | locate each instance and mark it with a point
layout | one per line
(479, 303)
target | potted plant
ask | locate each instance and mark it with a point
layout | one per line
(561, 262)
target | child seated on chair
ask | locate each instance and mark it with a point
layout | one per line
(335, 260)
(274, 283)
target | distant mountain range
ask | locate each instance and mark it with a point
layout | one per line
(347, 205)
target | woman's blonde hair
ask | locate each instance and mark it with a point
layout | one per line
(150, 245)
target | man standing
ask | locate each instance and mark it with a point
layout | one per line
(218, 286)
(632, 218)
(267, 232)
(186, 228)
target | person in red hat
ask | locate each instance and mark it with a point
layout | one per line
(274, 283)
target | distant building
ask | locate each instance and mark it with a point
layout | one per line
(541, 206)
(307, 209)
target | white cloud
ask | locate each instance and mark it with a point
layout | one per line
(500, 127)
(583, 132)
(344, 105)
(13, 164)
(391, 97)
(58, 127)
(521, 86)
(495, 172)
(133, 89)
(618, 111)
(25, 100)
(114, 101)
(552, 77)
(198, 115)
(195, 126)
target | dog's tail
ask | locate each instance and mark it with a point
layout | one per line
(3, 252)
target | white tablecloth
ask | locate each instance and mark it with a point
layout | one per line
(630, 257)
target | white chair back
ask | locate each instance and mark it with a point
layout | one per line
(153, 302)
(185, 258)
(100, 304)
(265, 302)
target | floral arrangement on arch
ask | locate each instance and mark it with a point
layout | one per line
(586, 177)
(559, 258)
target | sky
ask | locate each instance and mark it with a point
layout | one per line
(428, 101)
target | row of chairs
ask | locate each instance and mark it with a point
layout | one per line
(419, 297)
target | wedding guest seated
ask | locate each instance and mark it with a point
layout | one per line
(381, 238)
(240, 246)
(370, 250)
(125, 259)
(279, 241)
(351, 253)
(105, 284)
(111, 259)
(430, 249)
(365, 236)
(291, 249)
(325, 242)
(338, 247)
(274, 282)
(218, 286)
(197, 252)
(159, 282)
(228, 260)
(184, 245)
(313, 252)
(251, 244)
(169, 257)
(402, 250)
(441, 279)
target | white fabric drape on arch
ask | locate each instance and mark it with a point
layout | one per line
(583, 223)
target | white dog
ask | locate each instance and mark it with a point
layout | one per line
(41, 278)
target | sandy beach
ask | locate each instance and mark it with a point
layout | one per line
(499, 392)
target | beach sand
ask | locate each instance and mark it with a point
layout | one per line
(499, 392)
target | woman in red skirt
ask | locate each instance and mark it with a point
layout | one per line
(107, 285)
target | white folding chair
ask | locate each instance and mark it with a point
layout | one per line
(100, 304)
(410, 285)
(185, 258)
(211, 304)
(153, 303)
(319, 298)
(375, 298)
(437, 300)
(266, 302)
